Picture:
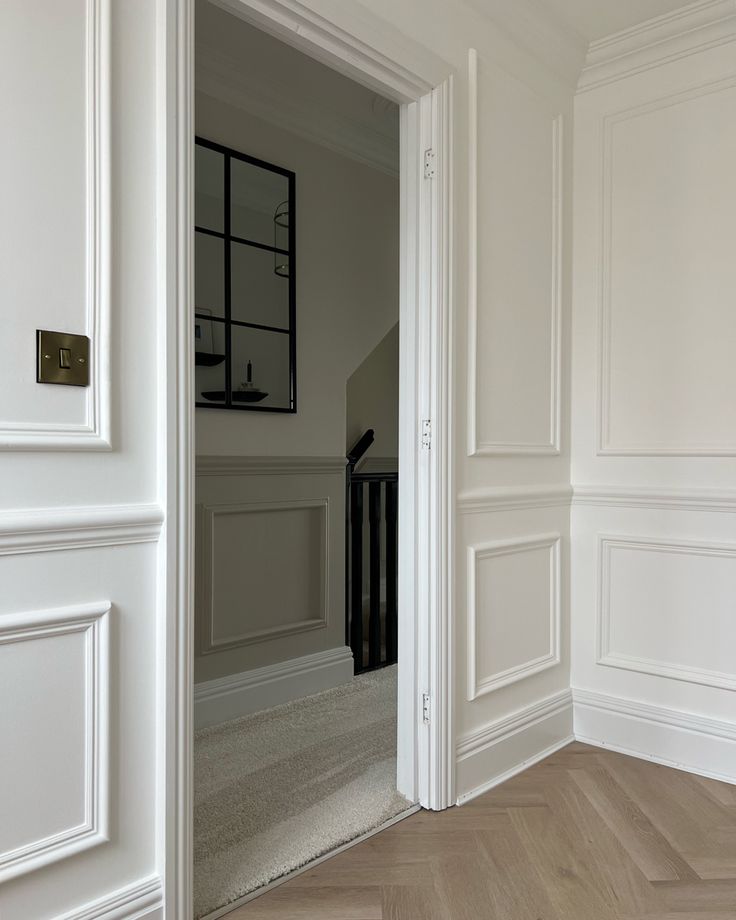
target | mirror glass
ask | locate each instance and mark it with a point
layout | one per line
(256, 195)
(209, 189)
(268, 354)
(259, 295)
(244, 291)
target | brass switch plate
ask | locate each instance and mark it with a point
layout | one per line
(62, 358)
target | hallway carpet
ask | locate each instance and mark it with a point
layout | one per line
(279, 788)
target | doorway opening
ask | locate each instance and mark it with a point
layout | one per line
(423, 636)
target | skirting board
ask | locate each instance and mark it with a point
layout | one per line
(676, 739)
(504, 748)
(241, 694)
(140, 901)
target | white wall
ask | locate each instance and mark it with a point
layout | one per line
(79, 612)
(654, 562)
(373, 399)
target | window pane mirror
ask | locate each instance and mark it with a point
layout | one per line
(245, 300)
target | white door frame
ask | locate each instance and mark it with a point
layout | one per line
(424, 90)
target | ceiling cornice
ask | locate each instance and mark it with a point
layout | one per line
(696, 27)
(366, 137)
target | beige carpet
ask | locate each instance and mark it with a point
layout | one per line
(275, 790)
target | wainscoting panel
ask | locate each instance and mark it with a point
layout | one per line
(270, 562)
(664, 366)
(266, 571)
(512, 581)
(54, 678)
(73, 240)
(515, 265)
(666, 608)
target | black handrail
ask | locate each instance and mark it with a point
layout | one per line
(359, 448)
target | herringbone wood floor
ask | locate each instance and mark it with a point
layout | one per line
(584, 835)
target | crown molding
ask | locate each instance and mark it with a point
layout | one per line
(539, 31)
(693, 28)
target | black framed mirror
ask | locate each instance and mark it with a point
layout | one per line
(244, 284)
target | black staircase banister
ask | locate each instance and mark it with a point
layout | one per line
(360, 447)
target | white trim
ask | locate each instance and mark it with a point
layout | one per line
(604, 447)
(325, 41)
(241, 694)
(94, 433)
(208, 643)
(268, 466)
(42, 530)
(514, 498)
(688, 30)
(480, 686)
(653, 498)
(92, 621)
(608, 658)
(425, 754)
(683, 740)
(133, 902)
(477, 448)
(514, 743)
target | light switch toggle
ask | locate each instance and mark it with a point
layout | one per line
(62, 358)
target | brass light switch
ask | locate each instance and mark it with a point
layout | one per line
(62, 358)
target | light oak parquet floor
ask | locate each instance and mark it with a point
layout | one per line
(584, 835)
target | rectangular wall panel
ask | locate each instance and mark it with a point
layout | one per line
(515, 266)
(668, 274)
(514, 611)
(667, 609)
(266, 571)
(54, 687)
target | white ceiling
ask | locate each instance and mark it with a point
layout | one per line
(597, 18)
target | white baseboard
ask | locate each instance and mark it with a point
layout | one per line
(241, 694)
(142, 899)
(500, 750)
(673, 738)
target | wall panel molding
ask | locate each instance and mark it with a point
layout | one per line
(209, 643)
(652, 498)
(549, 445)
(606, 655)
(43, 530)
(605, 445)
(268, 466)
(94, 432)
(514, 498)
(689, 30)
(479, 685)
(92, 621)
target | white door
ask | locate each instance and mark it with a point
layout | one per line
(80, 512)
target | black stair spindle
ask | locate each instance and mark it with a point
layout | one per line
(356, 574)
(392, 624)
(374, 622)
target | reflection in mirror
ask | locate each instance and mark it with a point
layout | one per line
(256, 195)
(209, 189)
(209, 274)
(259, 295)
(245, 290)
(267, 353)
(209, 349)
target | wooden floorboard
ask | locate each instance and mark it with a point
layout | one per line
(586, 834)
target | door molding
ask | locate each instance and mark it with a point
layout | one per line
(422, 84)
